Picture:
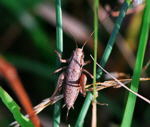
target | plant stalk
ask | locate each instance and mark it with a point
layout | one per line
(59, 47)
(95, 93)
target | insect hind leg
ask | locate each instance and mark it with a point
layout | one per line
(59, 84)
(85, 71)
(82, 83)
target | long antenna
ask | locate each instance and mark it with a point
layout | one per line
(120, 83)
(76, 44)
(72, 37)
(87, 40)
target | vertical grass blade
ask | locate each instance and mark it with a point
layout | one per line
(128, 114)
(94, 104)
(59, 31)
(106, 54)
(59, 47)
(96, 5)
(14, 109)
(83, 113)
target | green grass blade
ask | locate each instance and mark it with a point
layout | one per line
(59, 31)
(14, 109)
(108, 49)
(83, 113)
(96, 5)
(128, 114)
(95, 93)
(59, 47)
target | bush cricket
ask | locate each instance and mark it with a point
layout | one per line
(73, 78)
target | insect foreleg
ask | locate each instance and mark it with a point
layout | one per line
(60, 57)
(59, 84)
(82, 83)
(86, 62)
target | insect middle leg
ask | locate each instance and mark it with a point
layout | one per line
(59, 69)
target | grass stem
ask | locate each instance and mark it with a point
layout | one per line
(59, 47)
(94, 105)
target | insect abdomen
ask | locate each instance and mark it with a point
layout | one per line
(71, 93)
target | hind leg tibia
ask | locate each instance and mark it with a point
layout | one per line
(82, 83)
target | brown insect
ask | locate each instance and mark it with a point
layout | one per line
(73, 78)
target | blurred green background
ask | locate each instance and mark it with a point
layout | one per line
(27, 41)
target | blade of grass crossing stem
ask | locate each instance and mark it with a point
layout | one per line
(95, 94)
(106, 54)
(59, 47)
(14, 109)
(128, 114)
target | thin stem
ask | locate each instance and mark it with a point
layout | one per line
(94, 108)
(96, 4)
(59, 47)
(128, 114)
